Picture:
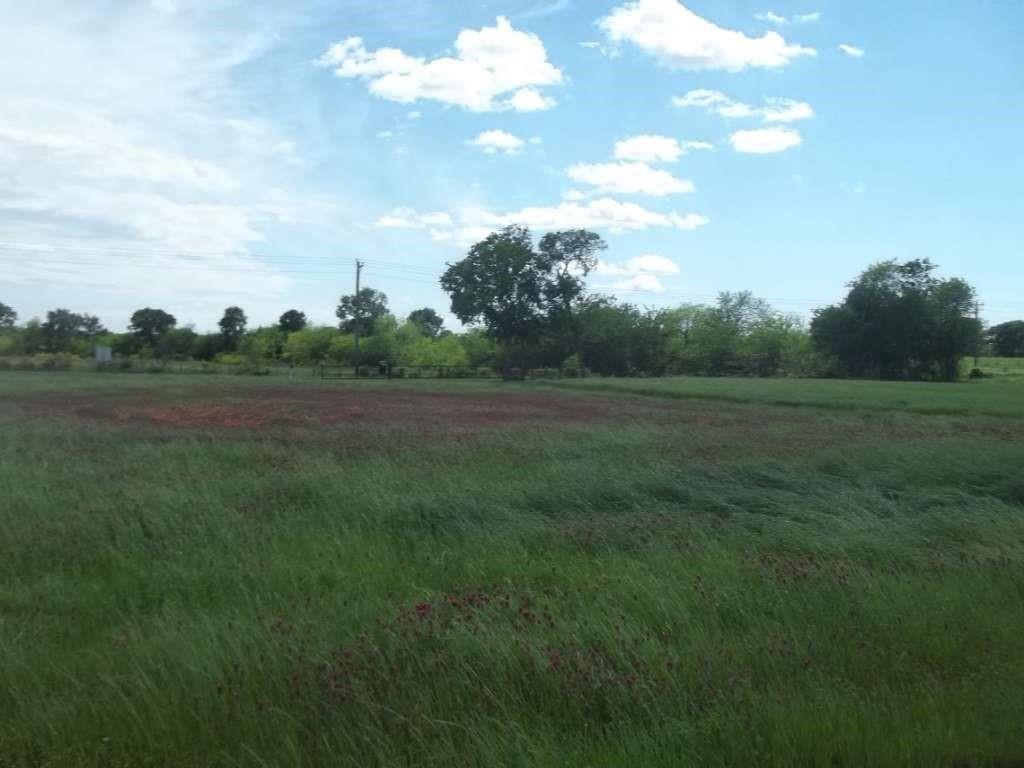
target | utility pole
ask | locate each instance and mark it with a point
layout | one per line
(357, 306)
(977, 343)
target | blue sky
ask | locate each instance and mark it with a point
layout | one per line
(191, 154)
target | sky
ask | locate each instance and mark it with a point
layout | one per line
(195, 154)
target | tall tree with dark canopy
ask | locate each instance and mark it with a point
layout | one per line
(1007, 339)
(8, 317)
(517, 292)
(232, 327)
(148, 325)
(361, 311)
(291, 321)
(899, 321)
(63, 327)
(427, 320)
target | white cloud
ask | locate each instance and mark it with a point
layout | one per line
(472, 224)
(692, 146)
(608, 51)
(641, 273)
(650, 263)
(134, 169)
(689, 221)
(640, 284)
(798, 18)
(775, 110)
(385, 134)
(574, 195)
(851, 50)
(493, 68)
(649, 148)
(530, 100)
(408, 218)
(626, 178)
(497, 140)
(679, 38)
(413, 115)
(785, 111)
(602, 213)
(765, 141)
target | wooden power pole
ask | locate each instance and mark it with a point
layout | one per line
(357, 306)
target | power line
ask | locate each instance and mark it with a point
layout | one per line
(390, 270)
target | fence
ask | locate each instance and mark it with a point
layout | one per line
(59, 362)
(406, 372)
(329, 372)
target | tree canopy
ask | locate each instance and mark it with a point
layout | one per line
(1007, 339)
(427, 320)
(291, 321)
(899, 321)
(361, 311)
(148, 325)
(63, 327)
(232, 327)
(516, 291)
(8, 317)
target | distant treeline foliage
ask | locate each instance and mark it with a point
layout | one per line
(526, 307)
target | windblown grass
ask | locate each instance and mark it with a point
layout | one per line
(688, 582)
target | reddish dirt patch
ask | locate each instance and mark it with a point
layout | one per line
(298, 408)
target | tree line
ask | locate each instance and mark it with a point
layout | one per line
(526, 306)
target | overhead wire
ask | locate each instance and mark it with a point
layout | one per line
(308, 264)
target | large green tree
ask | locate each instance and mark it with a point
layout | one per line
(232, 327)
(63, 327)
(291, 321)
(361, 311)
(148, 325)
(8, 317)
(427, 320)
(1007, 339)
(900, 321)
(518, 292)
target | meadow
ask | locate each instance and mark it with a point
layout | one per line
(233, 571)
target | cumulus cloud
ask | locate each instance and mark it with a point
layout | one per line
(496, 141)
(469, 225)
(648, 148)
(530, 100)
(494, 68)
(851, 50)
(797, 18)
(625, 178)
(603, 213)
(640, 284)
(774, 110)
(640, 274)
(765, 141)
(650, 263)
(680, 39)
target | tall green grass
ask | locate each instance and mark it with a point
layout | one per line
(1001, 396)
(709, 584)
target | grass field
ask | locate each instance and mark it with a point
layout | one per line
(221, 571)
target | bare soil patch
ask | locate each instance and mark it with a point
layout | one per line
(298, 408)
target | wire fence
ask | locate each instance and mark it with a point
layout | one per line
(323, 371)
